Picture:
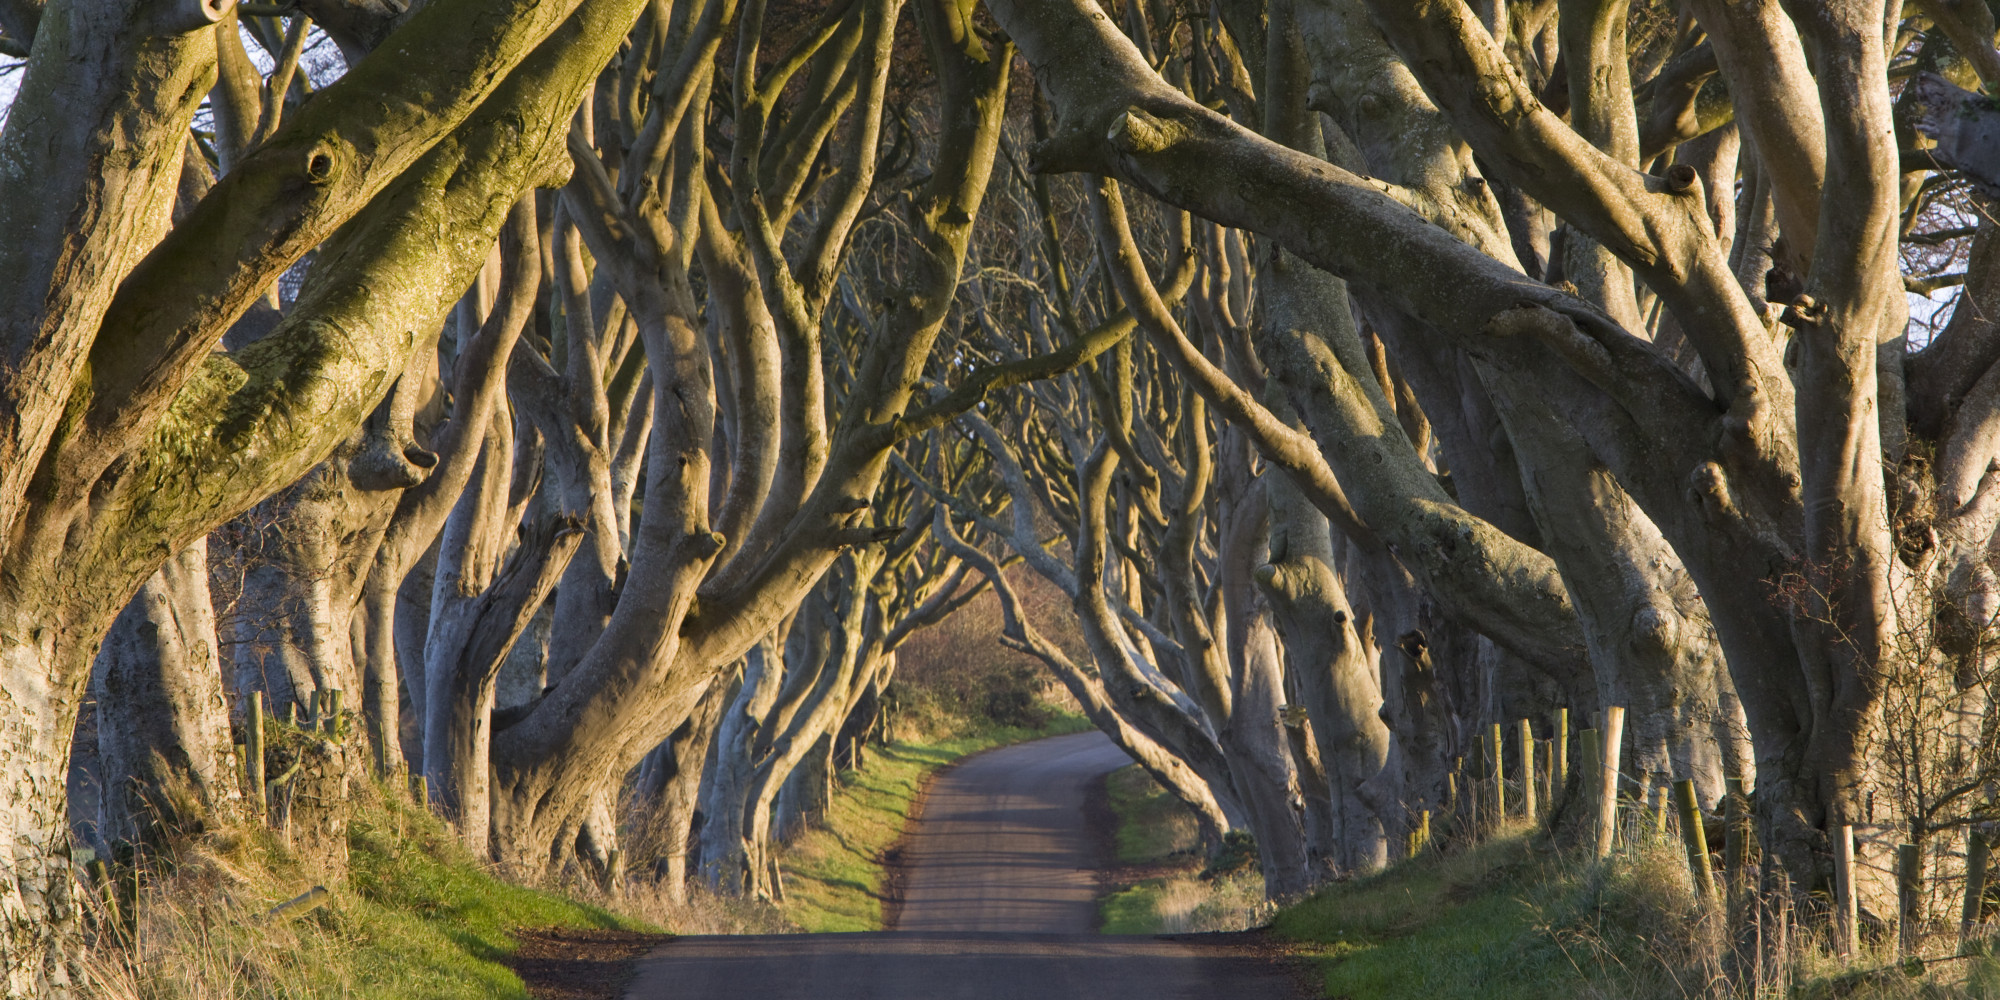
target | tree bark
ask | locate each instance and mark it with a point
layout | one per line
(167, 762)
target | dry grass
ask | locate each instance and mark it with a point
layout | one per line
(1513, 917)
(1187, 903)
(1158, 832)
(700, 912)
(416, 918)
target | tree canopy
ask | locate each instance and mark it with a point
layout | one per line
(599, 393)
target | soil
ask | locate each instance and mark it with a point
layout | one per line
(566, 963)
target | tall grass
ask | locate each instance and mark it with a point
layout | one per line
(1156, 831)
(1514, 917)
(416, 918)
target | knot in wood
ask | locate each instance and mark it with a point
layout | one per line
(1805, 311)
(320, 164)
(1136, 131)
(178, 17)
(1683, 179)
(1498, 96)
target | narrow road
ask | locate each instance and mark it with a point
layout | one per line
(998, 905)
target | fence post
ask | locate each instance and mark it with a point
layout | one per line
(1560, 762)
(1607, 786)
(1499, 778)
(1475, 781)
(1847, 912)
(253, 754)
(107, 890)
(1975, 885)
(1695, 837)
(1527, 738)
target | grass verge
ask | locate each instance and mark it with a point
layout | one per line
(1439, 928)
(1513, 919)
(416, 918)
(1159, 884)
(836, 874)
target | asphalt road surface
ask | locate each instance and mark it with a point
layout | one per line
(998, 905)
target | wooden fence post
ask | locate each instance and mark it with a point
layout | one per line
(1695, 838)
(1607, 786)
(1499, 778)
(1847, 911)
(107, 891)
(1560, 762)
(253, 754)
(1527, 739)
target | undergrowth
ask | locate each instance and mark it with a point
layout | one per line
(1156, 832)
(415, 918)
(1513, 919)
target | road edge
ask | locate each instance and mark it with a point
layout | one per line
(893, 858)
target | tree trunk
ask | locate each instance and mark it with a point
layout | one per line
(676, 788)
(41, 941)
(1333, 675)
(475, 619)
(168, 764)
(724, 863)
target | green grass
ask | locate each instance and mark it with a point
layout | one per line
(834, 874)
(429, 922)
(1510, 919)
(1152, 825)
(1439, 928)
(416, 919)
(1155, 829)
(1132, 911)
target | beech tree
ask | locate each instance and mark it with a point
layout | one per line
(1758, 422)
(127, 435)
(1361, 373)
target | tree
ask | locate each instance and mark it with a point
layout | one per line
(126, 438)
(1773, 484)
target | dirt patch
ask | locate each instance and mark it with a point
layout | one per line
(562, 963)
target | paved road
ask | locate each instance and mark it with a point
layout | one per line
(998, 905)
